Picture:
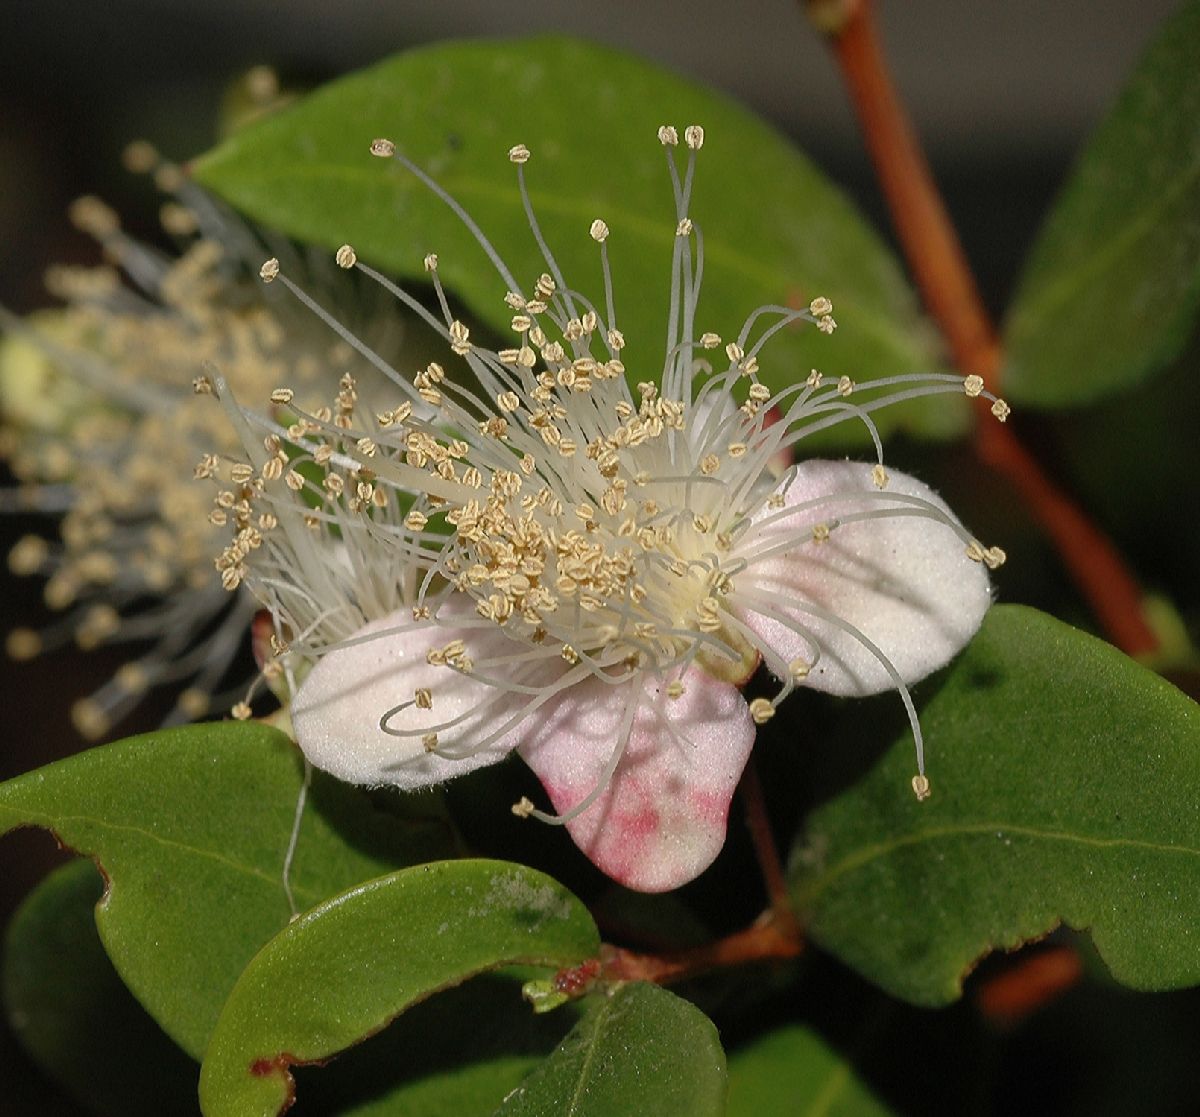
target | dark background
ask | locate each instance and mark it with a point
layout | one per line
(1003, 92)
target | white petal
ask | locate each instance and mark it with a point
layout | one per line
(661, 819)
(336, 712)
(904, 582)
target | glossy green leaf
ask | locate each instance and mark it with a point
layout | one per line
(81, 1025)
(1110, 293)
(793, 1072)
(346, 968)
(458, 1054)
(642, 1050)
(67, 1006)
(190, 827)
(1064, 791)
(775, 229)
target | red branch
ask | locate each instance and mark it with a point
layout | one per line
(948, 288)
(769, 939)
(758, 822)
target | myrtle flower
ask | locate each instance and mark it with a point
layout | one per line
(100, 429)
(586, 572)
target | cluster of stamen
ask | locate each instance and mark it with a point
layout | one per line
(109, 439)
(593, 519)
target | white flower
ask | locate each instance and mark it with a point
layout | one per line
(587, 573)
(101, 428)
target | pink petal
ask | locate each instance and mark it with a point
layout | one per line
(337, 709)
(905, 582)
(660, 821)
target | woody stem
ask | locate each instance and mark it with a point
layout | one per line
(939, 266)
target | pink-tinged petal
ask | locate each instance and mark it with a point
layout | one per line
(337, 709)
(661, 819)
(904, 582)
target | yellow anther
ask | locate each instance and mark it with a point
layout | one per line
(762, 710)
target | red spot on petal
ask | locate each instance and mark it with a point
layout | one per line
(711, 807)
(637, 826)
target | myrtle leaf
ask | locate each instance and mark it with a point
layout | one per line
(349, 966)
(67, 1006)
(190, 826)
(793, 1072)
(776, 231)
(642, 1050)
(1064, 779)
(1110, 293)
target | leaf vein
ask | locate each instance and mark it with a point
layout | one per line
(880, 850)
(59, 822)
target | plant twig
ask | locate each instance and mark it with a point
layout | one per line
(948, 288)
(768, 939)
(1034, 979)
(759, 824)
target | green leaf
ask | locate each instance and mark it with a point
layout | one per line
(73, 1016)
(81, 1025)
(775, 229)
(792, 1072)
(190, 826)
(345, 969)
(642, 1050)
(1064, 780)
(459, 1054)
(1111, 289)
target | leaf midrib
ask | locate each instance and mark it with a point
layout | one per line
(1042, 303)
(602, 1012)
(866, 854)
(59, 822)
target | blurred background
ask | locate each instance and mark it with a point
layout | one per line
(1003, 92)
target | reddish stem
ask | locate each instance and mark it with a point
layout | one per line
(1029, 983)
(948, 288)
(769, 939)
(759, 824)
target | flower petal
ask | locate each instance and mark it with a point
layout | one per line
(337, 710)
(904, 582)
(661, 819)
